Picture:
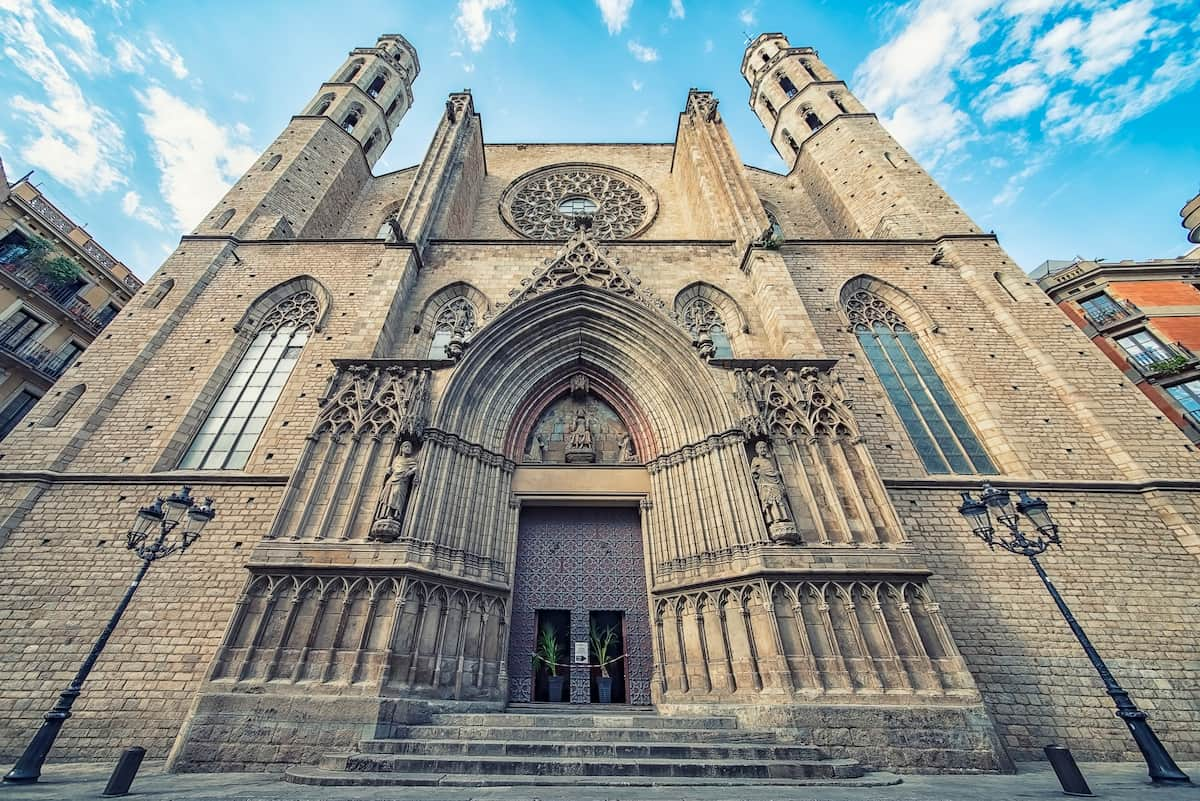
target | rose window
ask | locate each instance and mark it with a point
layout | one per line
(545, 203)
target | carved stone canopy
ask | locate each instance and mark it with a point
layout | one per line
(794, 404)
(376, 398)
(539, 204)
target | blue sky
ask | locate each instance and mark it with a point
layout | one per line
(1067, 126)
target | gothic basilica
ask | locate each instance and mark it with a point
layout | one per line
(631, 430)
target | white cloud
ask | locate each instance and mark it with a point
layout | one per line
(129, 57)
(749, 16)
(637, 85)
(74, 141)
(642, 53)
(475, 19)
(81, 49)
(677, 10)
(240, 97)
(131, 204)
(1016, 103)
(197, 157)
(168, 56)
(615, 13)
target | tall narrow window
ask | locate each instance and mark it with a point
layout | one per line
(785, 83)
(770, 107)
(16, 409)
(323, 104)
(352, 73)
(237, 418)
(708, 329)
(392, 106)
(791, 141)
(13, 247)
(1187, 395)
(19, 328)
(810, 117)
(941, 435)
(837, 101)
(1144, 349)
(377, 85)
(351, 119)
(455, 322)
(808, 68)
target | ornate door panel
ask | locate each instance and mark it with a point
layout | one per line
(580, 559)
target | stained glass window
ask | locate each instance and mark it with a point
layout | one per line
(943, 438)
(236, 420)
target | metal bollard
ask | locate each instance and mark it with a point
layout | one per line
(1067, 771)
(123, 773)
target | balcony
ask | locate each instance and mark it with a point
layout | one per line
(49, 364)
(1120, 313)
(64, 298)
(1164, 361)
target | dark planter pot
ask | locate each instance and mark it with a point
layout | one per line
(554, 689)
(604, 689)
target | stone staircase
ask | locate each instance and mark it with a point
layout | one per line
(557, 745)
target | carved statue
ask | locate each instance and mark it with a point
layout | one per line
(772, 495)
(625, 450)
(537, 450)
(579, 443)
(393, 498)
(390, 230)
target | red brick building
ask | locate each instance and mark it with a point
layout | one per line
(1145, 316)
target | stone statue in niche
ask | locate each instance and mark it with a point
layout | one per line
(393, 498)
(537, 450)
(579, 446)
(772, 496)
(390, 230)
(625, 450)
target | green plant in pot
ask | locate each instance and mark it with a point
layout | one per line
(59, 271)
(549, 653)
(604, 644)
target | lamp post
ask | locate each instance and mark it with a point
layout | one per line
(1011, 538)
(151, 539)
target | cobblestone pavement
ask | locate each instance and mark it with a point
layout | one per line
(1125, 781)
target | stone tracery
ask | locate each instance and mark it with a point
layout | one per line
(625, 204)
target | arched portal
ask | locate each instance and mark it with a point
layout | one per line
(616, 392)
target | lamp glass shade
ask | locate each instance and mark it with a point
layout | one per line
(1038, 512)
(976, 513)
(199, 516)
(148, 517)
(176, 504)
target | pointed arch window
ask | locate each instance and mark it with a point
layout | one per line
(789, 88)
(708, 329)
(455, 321)
(237, 419)
(943, 438)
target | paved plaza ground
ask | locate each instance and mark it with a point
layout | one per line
(1114, 781)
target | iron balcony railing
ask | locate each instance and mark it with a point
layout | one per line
(64, 298)
(1164, 360)
(1121, 312)
(49, 363)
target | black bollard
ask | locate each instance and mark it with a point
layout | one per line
(1067, 771)
(123, 773)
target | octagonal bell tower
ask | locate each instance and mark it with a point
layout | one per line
(297, 188)
(867, 184)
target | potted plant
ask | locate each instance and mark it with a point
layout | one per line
(604, 643)
(58, 271)
(548, 654)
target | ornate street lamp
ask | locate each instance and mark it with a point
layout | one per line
(998, 503)
(151, 539)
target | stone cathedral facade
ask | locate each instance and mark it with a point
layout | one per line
(520, 387)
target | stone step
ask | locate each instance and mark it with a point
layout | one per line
(582, 720)
(500, 766)
(582, 734)
(598, 749)
(340, 778)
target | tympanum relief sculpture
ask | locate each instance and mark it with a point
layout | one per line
(580, 428)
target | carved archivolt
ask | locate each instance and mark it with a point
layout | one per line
(624, 204)
(364, 399)
(795, 404)
(582, 262)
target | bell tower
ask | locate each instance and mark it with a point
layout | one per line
(299, 184)
(865, 183)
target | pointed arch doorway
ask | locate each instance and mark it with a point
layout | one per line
(580, 566)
